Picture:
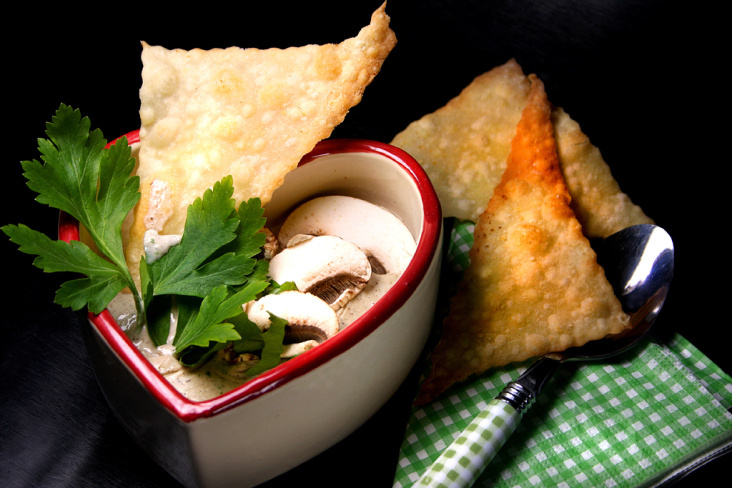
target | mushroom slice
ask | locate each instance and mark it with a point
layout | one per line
(308, 317)
(328, 267)
(292, 350)
(374, 229)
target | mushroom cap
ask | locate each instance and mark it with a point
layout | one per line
(308, 317)
(329, 267)
(374, 229)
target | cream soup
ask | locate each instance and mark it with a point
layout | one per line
(218, 376)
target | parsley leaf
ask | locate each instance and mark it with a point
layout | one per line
(192, 268)
(79, 177)
(216, 251)
(103, 279)
(273, 338)
(210, 322)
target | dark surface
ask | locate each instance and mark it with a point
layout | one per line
(638, 76)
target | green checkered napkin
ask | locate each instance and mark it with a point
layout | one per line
(629, 422)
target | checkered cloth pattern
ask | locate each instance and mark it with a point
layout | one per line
(633, 421)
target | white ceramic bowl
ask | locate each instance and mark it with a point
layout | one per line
(295, 411)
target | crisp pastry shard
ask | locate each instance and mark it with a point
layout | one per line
(534, 285)
(249, 113)
(463, 147)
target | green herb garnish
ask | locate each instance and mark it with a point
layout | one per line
(208, 276)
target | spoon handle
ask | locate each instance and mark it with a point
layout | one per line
(464, 460)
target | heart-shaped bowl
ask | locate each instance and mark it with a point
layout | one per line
(291, 413)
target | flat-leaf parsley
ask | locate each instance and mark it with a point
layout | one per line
(209, 275)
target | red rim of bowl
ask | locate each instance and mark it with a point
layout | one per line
(188, 410)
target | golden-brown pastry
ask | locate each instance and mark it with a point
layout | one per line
(250, 113)
(463, 147)
(534, 285)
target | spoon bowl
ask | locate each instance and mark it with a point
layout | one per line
(638, 262)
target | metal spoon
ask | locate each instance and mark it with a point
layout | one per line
(639, 263)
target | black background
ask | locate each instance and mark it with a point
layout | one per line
(641, 77)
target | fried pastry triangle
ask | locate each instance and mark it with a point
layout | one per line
(534, 285)
(249, 113)
(463, 147)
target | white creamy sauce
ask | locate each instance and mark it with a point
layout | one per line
(159, 211)
(157, 245)
(376, 288)
(211, 379)
(160, 207)
(217, 376)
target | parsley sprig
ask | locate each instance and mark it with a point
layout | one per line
(207, 277)
(93, 185)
